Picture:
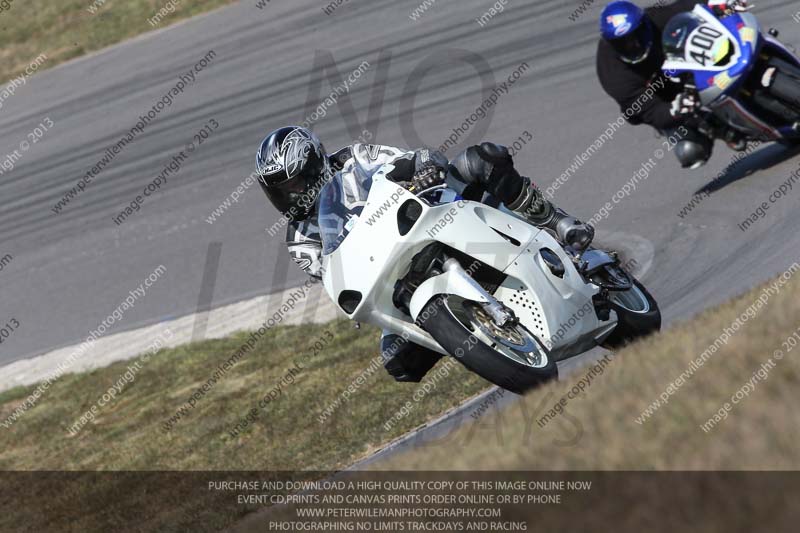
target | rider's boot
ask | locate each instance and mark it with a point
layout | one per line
(735, 141)
(404, 360)
(532, 205)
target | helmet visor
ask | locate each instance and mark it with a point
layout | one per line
(295, 194)
(634, 47)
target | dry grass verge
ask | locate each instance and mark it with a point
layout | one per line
(599, 429)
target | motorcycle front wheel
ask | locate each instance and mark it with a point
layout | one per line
(637, 315)
(509, 356)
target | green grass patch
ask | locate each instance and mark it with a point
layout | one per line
(128, 433)
(66, 29)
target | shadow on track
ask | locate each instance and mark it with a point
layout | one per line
(763, 159)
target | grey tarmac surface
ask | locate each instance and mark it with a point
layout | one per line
(71, 270)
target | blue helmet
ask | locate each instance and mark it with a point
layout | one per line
(628, 30)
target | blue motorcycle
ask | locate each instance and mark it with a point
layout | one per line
(747, 82)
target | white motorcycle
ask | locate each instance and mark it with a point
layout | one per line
(478, 283)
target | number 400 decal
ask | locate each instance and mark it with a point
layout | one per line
(702, 42)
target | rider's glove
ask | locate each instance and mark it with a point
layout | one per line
(429, 169)
(685, 105)
(574, 232)
(723, 7)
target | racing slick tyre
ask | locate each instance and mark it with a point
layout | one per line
(637, 316)
(510, 357)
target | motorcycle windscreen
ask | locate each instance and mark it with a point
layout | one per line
(688, 37)
(340, 204)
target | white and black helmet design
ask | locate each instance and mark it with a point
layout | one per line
(292, 164)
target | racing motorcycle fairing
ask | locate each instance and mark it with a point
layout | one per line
(373, 246)
(717, 53)
(719, 57)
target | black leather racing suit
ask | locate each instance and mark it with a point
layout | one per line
(627, 84)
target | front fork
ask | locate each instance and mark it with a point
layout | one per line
(442, 275)
(499, 313)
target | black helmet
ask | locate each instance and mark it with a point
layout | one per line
(293, 166)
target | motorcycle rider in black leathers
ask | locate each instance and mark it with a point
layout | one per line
(293, 166)
(629, 59)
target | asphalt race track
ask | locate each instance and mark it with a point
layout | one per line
(273, 66)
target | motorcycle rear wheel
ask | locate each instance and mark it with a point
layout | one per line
(510, 357)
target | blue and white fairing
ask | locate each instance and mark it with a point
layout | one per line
(719, 53)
